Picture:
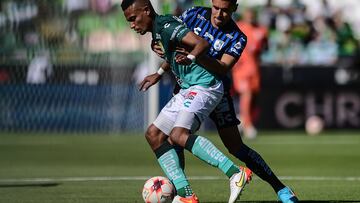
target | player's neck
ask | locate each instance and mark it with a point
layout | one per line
(213, 23)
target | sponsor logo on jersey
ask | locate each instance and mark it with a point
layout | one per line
(184, 15)
(197, 30)
(218, 44)
(208, 35)
(234, 50)
(229, 36)
(201, 17)
(243, 39)
(178, 19)
(176, 31)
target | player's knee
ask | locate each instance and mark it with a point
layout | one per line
(179, 136)
(154, 136)
(150, 132)
(174, 139)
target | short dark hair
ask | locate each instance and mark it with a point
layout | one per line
(126, 3)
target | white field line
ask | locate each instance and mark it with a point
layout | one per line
(120, 178)
(329, 142)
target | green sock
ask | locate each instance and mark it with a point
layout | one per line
(169, 162)
(206, 151)
(185, 191)
(232, 170)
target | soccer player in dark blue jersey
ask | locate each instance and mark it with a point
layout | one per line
(227, 43)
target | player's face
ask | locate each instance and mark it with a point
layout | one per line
(221, 12)
(138, 18)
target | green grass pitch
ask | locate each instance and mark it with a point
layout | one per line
(62, 168)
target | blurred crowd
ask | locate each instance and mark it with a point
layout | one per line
(295, 38)
(98, 26)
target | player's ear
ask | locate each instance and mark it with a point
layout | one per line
(147, 10)
(235, 7)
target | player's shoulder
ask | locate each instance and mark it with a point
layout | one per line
(232, 27)
(162, 20)
(195, 10)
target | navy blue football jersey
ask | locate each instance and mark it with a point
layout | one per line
(227, 40)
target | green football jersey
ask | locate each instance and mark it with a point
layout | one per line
(169, 31)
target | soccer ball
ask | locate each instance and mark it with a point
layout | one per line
(158, 189)
(314, 125)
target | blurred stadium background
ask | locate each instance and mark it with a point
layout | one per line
(70, 67)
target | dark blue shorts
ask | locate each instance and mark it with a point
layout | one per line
(224, 114)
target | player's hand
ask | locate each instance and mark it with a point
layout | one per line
(149, 81)
(182, 50)
(156, 47)
(182, 59)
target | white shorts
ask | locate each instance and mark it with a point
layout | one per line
(189, 108)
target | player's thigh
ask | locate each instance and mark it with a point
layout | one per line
(224, 115)
(168, 114)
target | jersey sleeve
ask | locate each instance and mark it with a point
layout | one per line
(237, 46)
(188, 14)
(174, 30)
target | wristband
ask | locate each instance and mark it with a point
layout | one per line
(191, 57)
(161, 71)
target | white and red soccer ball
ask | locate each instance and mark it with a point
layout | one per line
(314, 125)
(158, 189)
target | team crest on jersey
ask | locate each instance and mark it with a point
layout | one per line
(218, 44)
(237, 45)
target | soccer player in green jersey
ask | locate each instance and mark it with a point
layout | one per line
(227, 42)
(200, 93)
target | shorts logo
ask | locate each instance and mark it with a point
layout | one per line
(191, 95)
(187, 104)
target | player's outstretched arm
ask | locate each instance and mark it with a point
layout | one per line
(152, 79)
(197, 47)
(219, 67)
